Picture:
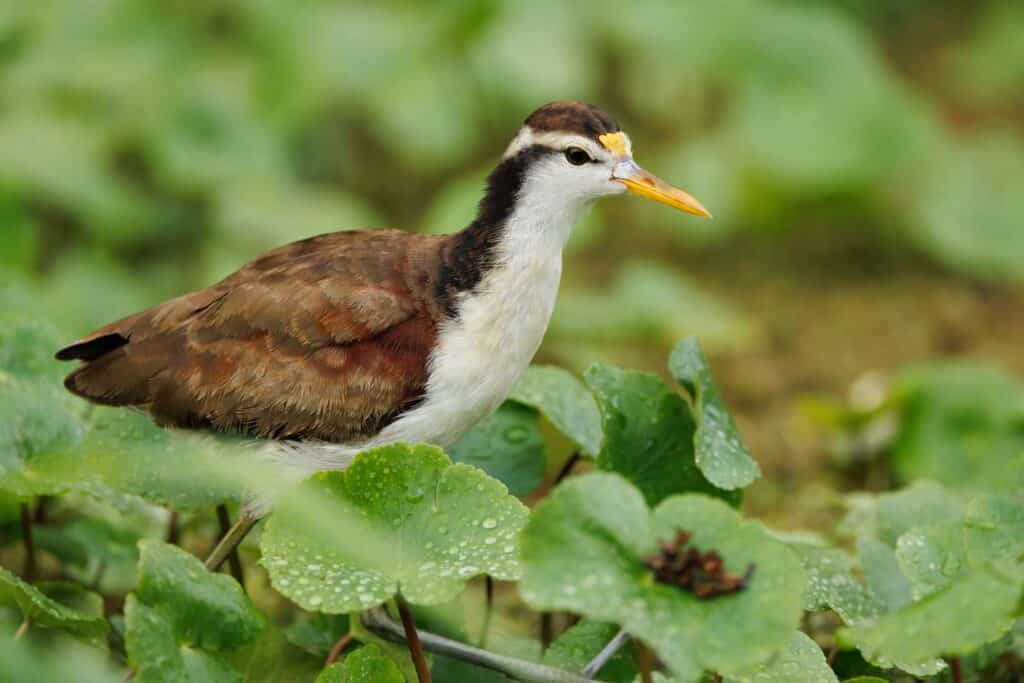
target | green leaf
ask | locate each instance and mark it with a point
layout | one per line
(124, 452)
(70, 608)
(37, 414)
(24, 661)
(508, 446)
(366, 665)
(576, 647)
(960, 426)
(832, 585)
(994, 530)
(437, 525)
(584, 547)
(563, 400)
(158, 656)
(91, 546)
(272, 659)
(931, 556)
(209, 610)
(721, 454)
(317, 633)
(921, 503)
(802, 661)
(883, 574)
(648, 434)
(180, 614)
(973, 609)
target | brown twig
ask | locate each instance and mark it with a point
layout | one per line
(545, 630)
(833, 652)
(338, 648)
(567, 468)
(42, 504)
(234, 561)
(644, 662)
(412, 639)
(955, 673)
(173, 528)
(30, 546)
(488, 610)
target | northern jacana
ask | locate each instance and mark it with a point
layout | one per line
(350, 340)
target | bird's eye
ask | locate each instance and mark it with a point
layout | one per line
(576, 156)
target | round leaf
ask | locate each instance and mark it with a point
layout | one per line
(973, 609)
(802, 661)
(439, 524)
(508, 446)
(584, 550)
(564, 401)
(648, 434)
(366, 665)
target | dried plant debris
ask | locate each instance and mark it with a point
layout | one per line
(703, 574)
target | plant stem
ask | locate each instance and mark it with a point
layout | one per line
(412, 639)
(954, 670)
(545, 630)
(41, 504)
(230, 541)
(488, 609)
(606, 653)
(378, 621)
(338, 648)
(833, 652)
(234, 561)
(567, 468)
(644, 662)
(173, 528)
(23, 629)
(30, 546)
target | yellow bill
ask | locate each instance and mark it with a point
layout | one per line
(640, 182)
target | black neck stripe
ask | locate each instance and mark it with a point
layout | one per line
(472, 251)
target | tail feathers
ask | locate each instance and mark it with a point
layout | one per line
(91, 348)
(112, 379)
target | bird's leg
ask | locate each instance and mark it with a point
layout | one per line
(230, 540)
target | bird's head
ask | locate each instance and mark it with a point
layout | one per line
(579, 151)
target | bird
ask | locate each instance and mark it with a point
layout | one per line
(349, 340)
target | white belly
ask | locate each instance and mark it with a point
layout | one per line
(481, 354)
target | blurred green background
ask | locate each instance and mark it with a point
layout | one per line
(863, 159)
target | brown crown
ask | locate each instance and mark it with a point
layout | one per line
(572, 117)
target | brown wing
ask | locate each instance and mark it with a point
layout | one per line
(325, 338)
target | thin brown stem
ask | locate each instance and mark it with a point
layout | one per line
(567, 468)
(546, 630)
(23, 629)
(338, 648)
(173, 528)
(833, 652)
(644, 662)
(30, 546)
(955, 673)
(42, 504)
(412, 639)
(234, 561)
(488, 610)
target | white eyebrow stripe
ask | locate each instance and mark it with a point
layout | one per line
(528, 137)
